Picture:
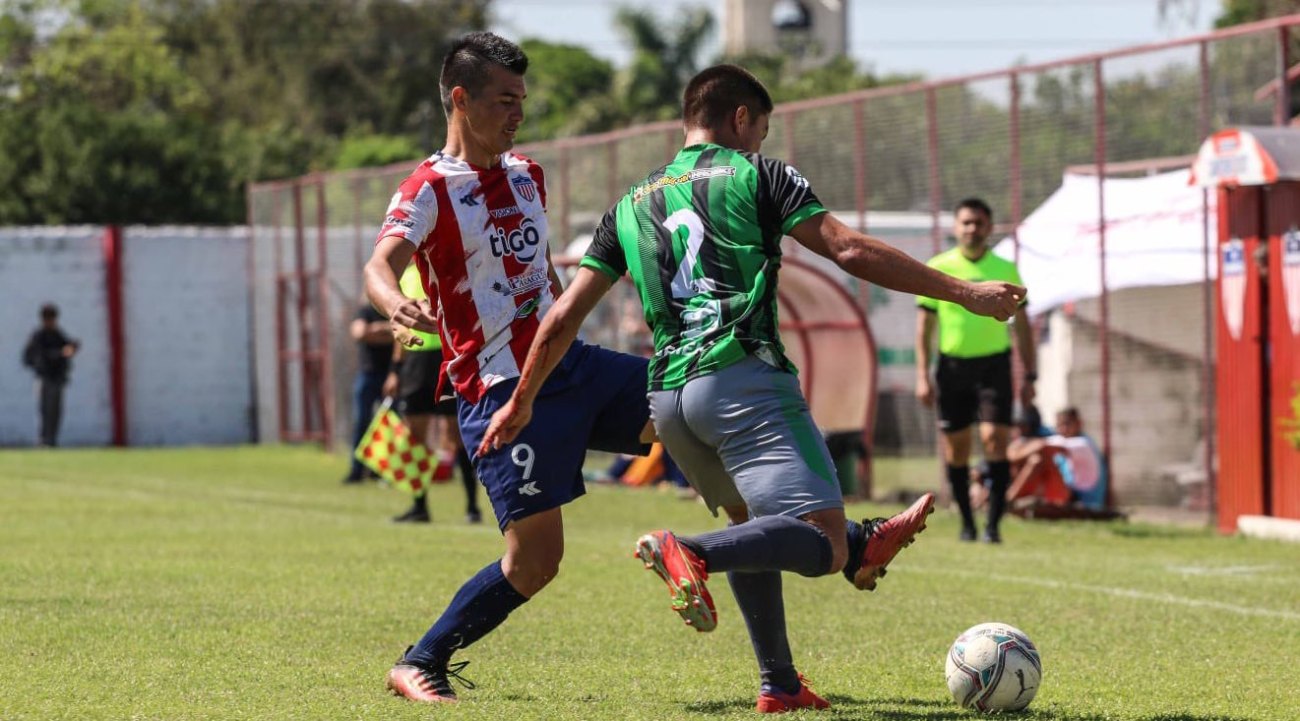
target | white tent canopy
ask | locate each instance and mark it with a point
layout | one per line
(1155, 235)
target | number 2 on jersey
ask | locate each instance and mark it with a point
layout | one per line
(685, 284)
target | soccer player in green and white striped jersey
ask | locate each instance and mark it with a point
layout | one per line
(700, 237)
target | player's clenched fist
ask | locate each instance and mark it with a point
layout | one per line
(995, 298)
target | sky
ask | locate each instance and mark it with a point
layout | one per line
(938, 38)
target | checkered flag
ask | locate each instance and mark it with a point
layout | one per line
(387, 449)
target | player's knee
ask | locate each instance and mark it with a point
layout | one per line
(530, 574)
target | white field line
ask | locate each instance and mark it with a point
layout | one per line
(1222, 570)
(1118, 593)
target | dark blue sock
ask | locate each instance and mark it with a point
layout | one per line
(480, 605)
(759, 597)
(857, 545)
(766, 543)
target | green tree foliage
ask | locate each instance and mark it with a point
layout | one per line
(105, 127)
(664, 57)
(158, 111)
(568, 91)
(1236, 12)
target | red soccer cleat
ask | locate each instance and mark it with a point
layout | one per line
(425, 685)
(684, 573)
(773, 700)
(886, 537)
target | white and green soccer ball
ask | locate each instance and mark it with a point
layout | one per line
(993, 667)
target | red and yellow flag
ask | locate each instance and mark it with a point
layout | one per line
(388, 450)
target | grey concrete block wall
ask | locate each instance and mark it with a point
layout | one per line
(187, 335)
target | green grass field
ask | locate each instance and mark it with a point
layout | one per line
(247, 584)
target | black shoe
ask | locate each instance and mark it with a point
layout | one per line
(473, 517)
(415, 515)
(967, 534)
(351, 480)
(991, 535)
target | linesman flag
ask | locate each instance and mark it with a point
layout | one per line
(387, 449)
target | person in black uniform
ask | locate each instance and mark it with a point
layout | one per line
(49, 354)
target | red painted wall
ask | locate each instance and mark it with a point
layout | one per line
(1239, 339)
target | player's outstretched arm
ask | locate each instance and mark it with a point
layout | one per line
(880, 263)
(554, 336)
(391, 256)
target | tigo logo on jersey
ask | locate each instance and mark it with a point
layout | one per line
(520, 242)
(525, 187)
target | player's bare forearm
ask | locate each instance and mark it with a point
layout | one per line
(558, 330)
(875, 261)
(878, 262)
(1025, 342)
(381, 273)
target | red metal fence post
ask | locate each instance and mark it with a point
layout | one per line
(566, 228)
(1207, 305)
(611, 182)
(325, 376)
(936, 188)
(860, 162)
(1282, 106)
(1099, 88)
(281, 331)
(1014, 131)
(790, 156)
(112, 249)
(304, 326)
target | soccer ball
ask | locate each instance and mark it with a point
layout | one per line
(993, 667)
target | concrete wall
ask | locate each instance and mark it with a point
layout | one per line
(186, 332)
(187, 336)
(1157, 398)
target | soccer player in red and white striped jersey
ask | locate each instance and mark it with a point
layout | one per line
(473, 216)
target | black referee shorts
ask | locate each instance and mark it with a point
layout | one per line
(417, 385)
(972, 389)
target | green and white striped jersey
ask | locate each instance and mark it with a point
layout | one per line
(701, 238)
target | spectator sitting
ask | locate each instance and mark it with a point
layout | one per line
(1054, 474)
(1083, 469)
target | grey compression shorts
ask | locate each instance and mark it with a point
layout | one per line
(743, 435)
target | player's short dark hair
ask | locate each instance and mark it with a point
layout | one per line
(976, 204)
(470, 57)
(715, 93)
(49, 310)
(1071, 412)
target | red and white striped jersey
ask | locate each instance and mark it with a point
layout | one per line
(480, 237)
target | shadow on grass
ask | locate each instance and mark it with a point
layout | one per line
(912, 709)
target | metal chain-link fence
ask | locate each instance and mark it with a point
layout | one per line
(892, 161)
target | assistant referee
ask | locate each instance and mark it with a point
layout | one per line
(973, 374)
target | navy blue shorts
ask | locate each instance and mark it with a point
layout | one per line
(595, 399)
